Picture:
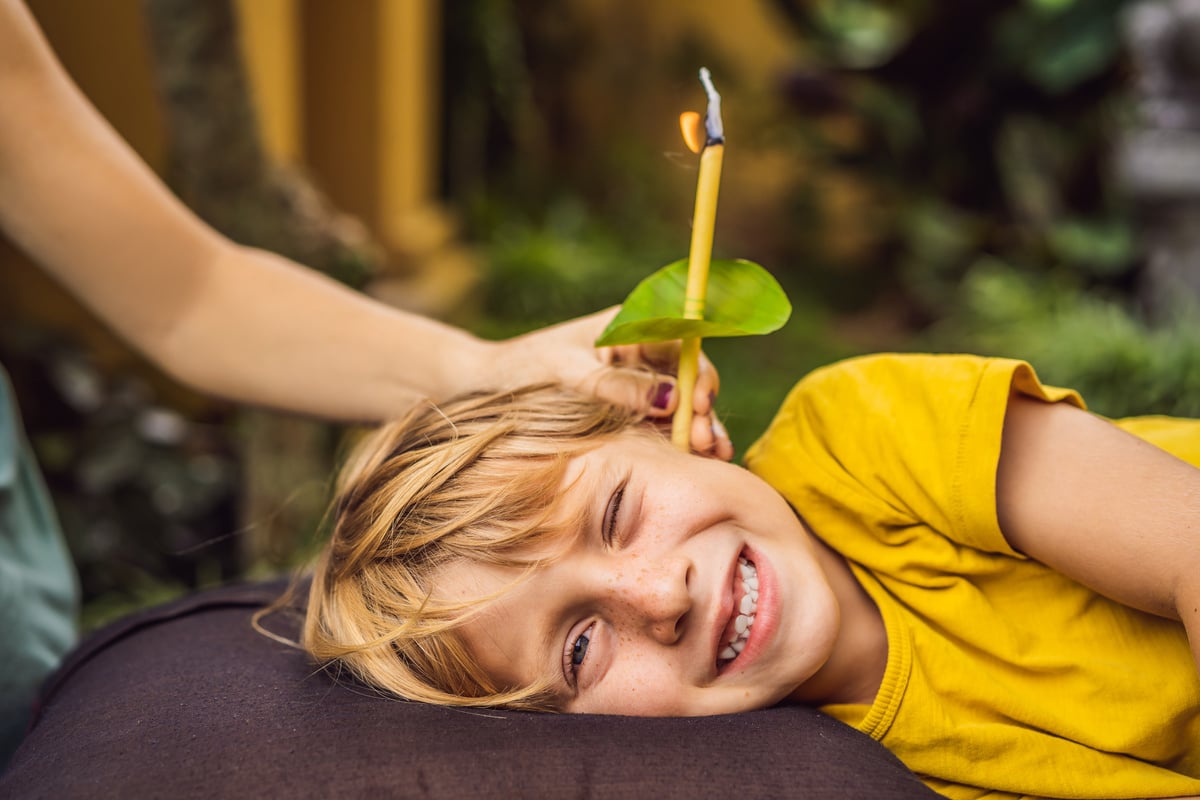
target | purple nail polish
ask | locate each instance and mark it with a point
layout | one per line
(662, 396)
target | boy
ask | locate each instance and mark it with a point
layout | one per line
(938, 550)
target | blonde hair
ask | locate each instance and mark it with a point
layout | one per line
(476, 479)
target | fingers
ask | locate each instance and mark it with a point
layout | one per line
(564, 353)
(646, 392)
(709, 437)
(724, 447)
(663, 357)
(708, 384)
(654, 395)
(639, 376)
(653, 378)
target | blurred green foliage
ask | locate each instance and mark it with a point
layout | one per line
(980, 136)
(544, 266)
(1087, 340)
(984, 127)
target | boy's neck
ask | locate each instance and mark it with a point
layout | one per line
(856, 666)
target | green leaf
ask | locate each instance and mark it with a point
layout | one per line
(743, 300)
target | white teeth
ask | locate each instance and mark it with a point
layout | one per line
(747, 607)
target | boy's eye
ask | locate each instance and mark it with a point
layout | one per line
(608, 529)
(576, 652)
(579, 650)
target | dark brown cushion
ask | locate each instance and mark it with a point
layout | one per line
(187, 700)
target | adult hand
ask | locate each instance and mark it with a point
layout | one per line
(638, 376)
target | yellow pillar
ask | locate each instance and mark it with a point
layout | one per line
(434, 271)
(409, 90)
(270, 42)
(353, 91)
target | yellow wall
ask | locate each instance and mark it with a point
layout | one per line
(272, 52)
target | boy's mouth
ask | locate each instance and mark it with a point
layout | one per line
(737, 630)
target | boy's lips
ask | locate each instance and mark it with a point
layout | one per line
(747, 614)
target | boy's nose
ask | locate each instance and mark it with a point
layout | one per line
(656, 598)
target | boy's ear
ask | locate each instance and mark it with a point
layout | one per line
(709, 437)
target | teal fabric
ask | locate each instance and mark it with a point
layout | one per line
(39, 594)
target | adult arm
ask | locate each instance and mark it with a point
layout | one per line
(1103, 507)
(238, 322)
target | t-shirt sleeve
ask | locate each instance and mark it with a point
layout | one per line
(898, 441)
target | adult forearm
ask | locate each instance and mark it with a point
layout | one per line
(262, 330)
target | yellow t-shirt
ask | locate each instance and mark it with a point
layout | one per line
(1004, 678)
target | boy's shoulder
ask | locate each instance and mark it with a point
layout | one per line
(882, 366)
(936, 380)
(891, 377)
(873, 401)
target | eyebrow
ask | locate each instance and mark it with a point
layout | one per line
(586, 519)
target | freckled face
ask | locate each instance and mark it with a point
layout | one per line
(680, 560)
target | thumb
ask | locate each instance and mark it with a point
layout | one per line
(647, 392)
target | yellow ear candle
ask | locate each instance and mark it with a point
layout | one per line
(699, 256)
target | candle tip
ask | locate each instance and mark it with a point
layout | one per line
(713, 126)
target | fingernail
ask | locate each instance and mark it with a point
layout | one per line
(719, 429)
(662, 396)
